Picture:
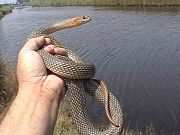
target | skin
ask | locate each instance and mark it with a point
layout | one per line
(34, 109)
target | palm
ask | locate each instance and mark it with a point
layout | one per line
(31, 70)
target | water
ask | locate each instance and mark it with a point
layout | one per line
(135, 51)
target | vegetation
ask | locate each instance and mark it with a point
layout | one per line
(104, 2)
(64, 124)
(5, 9)
(8, 84)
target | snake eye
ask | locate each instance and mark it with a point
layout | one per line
(83, 19)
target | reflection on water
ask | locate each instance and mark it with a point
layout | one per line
(136, 53)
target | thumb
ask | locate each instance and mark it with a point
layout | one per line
(35, 43)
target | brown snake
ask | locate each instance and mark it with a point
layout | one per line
(77, 75)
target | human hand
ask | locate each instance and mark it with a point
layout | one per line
(35, 108)
(31, 71)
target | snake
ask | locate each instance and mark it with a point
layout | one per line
(78, 77)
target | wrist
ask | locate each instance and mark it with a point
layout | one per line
(36, 92)
(31, 111)
(29, 88)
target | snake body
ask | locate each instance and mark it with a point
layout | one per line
(77, 75)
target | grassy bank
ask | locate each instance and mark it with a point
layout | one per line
(105, 2)
(8, 83)
(5, 9)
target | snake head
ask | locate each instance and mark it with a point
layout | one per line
(79, 20)
(83, 19)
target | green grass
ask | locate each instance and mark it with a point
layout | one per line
(5, 9)
(104, 2)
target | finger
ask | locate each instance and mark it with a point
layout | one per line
(40, 41)
(50, 49)
(47, 41)
(55, 50)
(60, 51)
(35, 43)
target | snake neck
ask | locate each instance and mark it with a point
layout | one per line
(69, 23)
(46, 30)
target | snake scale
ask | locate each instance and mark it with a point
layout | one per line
(77, 75)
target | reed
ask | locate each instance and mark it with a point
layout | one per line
(105, 2)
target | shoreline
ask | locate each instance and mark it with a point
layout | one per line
(4, 10)
(129, 5)
(143, 3)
